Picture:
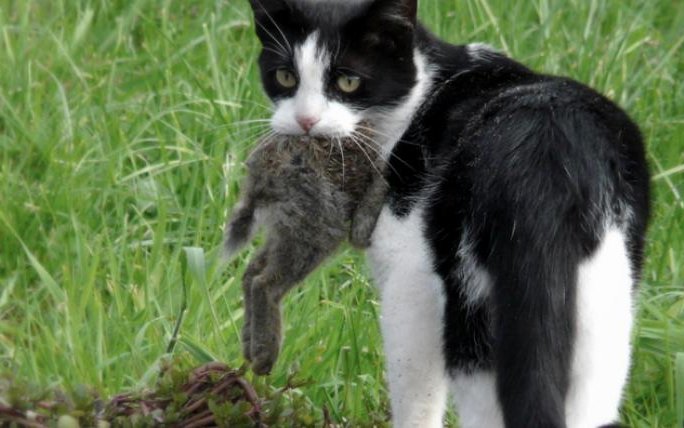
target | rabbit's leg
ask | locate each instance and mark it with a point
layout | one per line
(367, 212)
(289, 264)
(255, 267)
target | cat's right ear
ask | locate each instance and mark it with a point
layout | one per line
(405, 10)
(389, 26)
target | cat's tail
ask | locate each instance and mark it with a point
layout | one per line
(240, 229)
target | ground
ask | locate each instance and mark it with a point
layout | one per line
(123, 125)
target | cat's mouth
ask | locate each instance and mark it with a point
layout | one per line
(363, 128)
(319, 133)
(361, 138)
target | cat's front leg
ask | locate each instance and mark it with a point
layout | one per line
(365, 216)
(412, 308)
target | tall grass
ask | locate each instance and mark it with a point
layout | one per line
(123, 125)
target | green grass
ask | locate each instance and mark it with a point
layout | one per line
(121, 142)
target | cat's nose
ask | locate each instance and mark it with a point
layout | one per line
(307, 122)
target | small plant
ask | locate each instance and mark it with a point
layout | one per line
(210, 395)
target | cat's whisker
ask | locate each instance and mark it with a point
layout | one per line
(268, 107)
(344, 52)
(427, 174)
(278, 52)
(337, 48)
(382, 134)
(260, 140)
(373, 146)
(360, 144)
(368, 141)
(339, 144)
(248, 130)
(237, 123)
(331, 151)
(263, 138)
(241, 146)
(287, 42)
(275, 40)
(250, 121)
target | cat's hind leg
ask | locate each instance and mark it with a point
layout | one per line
(600, 352)
(600, 363)
(474, 396)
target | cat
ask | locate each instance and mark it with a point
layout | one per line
(310, 194)
(511, 241)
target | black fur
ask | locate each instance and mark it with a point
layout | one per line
(532, 166)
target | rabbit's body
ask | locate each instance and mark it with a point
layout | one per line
(309, 195)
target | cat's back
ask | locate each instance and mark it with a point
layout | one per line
(507, 127)
(552, 134)
(510, 152)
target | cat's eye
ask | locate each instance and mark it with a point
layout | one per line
(286, 78)
(348, 84)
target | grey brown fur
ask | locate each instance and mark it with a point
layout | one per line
(310, 195)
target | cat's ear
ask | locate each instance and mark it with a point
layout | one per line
(388, 26)
(404, 10)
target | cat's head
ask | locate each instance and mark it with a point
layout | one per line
(328, 65)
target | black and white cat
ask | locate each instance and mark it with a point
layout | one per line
(511, 242)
